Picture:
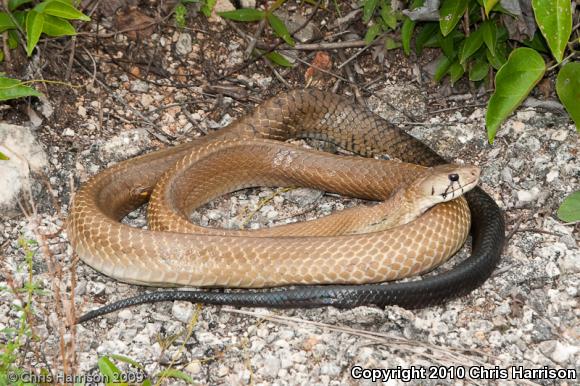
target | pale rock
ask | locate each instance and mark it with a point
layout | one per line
(25, 156)
(182, 311)
(528, 195)
(183, 46)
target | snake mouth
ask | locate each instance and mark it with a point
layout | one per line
(452, 189)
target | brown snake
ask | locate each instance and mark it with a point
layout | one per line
(229, 259)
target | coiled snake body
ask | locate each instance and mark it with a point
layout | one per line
(219, 258)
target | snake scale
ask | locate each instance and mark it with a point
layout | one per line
(170, 258)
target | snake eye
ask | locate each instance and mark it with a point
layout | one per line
(454, 177)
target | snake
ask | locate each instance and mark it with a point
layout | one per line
(333, 268)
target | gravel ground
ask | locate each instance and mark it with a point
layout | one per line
(527, 315)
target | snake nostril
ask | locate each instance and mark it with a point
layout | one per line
(454, 177)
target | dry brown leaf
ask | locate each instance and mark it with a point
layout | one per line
(321, 61)
(136, 24)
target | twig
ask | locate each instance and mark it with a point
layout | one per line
(356, 55)
(247, 63)
(159, 136)
(71, 58)
(318, 46)
(277, 74)
(254, 39)
(457, 108)
(350, 75)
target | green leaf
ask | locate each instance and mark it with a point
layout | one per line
(388, 16)
(369, 9)
(488, 5)
(442, 67)
(61, 9)
(537, 43)
(372, 33)
(207, 7)
(244, 14)
(569, 211)
(447, 44)
(173, 373)
(450, 13)
(278, 59)
(13, 4)
(456, 71)
(428, 36)
(554, 18)
(4, 157)
(20, 17)
(391, 44)
(34, 23)
(123, 358)
(12, 39)
(489, 34)
(499, 59)
(472, 43)
(568, 89)
(513, 82)
(109, 370)
(280, 29)
(55, 26)
(180, 11)
(478, 71)
(6, 22)
(407, 34)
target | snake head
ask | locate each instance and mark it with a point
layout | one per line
(443, 183)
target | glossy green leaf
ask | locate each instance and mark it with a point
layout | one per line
(479, 70)
(6, 22)
(55, 26)
(568, 89)
(173, 373)
(244, 14)
(207, 7)
(428, 35)
(489, 35)
(450, 13)
(447, 44)
(456, 71)
(513, 82)
(278, 59)
(569, 210)
(391, 44)
(537, 43)
(34, 24)
(12, 39)
(20, 17)
(372, 33)
(554, 18)
(4, 157)
(470, 46)
(13, 4)
(110, 371)
(499, 59)
(407, 34)
(388, 16)
(488, 5)
(369, 7)
(442, 67)
(280, 28)
(61, 9)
